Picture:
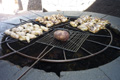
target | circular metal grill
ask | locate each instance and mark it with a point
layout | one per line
(86, 46)
(89, 54)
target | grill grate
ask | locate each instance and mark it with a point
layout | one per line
(73, 44)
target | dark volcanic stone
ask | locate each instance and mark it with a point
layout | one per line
(72, 13)
(7, 70)
(112, 70)
(91, 74)
(35, 74)
(110, 7)
(118, 59)
(93, 14)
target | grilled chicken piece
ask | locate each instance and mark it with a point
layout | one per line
(79, 20)
(83, 27)
(73, 24)
(14, 35)
(44, 28)
(31, 36)
(29, 24)
(94, 29)
(36, 26)
(49, 24)
(21, 33)
(64, 19)
(37, 32)
(20, 28)
(24, 38)
(57, 21)
(8, 32)
(40, 19)
(15, 29)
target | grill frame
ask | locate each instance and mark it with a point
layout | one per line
(73, 44)
(63, 51)
(65, 60)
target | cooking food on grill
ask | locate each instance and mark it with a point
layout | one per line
(88, 23)
(31, 36)
(51, 20)
(8, 32)
(83, 27)
(73, 23)
(37, 32)
(61, 35)
(44, 28)
(64, 19)
(49, 23)
(14, 35)
(40, 19)
(21, 33)
(26, 32)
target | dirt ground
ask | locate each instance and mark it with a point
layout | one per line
(111, 7)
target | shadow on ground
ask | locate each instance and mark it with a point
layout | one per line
(111, 7)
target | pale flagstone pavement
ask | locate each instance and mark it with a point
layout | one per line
(110, 7)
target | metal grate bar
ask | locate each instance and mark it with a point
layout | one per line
(73, 44)
(86, 51)
(82, 40)
(35, 63)
(16, 51)
(77, 42)
(8, 41)
(64, 54)
(99, 35)
(96, 42)
(103, 44)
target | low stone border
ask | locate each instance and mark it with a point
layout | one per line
(108, 71)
